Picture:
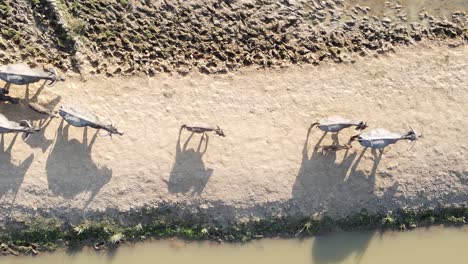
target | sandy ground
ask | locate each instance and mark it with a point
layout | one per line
(267, 163)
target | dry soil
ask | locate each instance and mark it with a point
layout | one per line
(267, 163)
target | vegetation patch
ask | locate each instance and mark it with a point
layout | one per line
(64, 25)
(4, 9)
(49, 234)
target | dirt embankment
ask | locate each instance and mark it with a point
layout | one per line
(267, 163)
(129, 37)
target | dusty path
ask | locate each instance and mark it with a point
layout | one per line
(263, 165)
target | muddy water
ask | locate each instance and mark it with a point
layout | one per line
(434, 245)
(412, 8)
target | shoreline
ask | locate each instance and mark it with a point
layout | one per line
(45, 235)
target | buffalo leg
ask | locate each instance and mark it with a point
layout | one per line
(6, 98)
(6, 89)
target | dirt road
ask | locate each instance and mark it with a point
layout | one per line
(266, 163)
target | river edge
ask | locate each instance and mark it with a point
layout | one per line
(49, 234)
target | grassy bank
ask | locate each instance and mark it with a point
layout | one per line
(49, 234)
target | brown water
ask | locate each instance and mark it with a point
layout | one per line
(434, 245)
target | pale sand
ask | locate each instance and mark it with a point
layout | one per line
(259, 168)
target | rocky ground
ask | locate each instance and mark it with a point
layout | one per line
(128, 37)
(317, 59)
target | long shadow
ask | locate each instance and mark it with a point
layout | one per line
(13, 176)
(353, 169)
(335, 248)
(26, 97)
(50, 105)
(34, 99)
(70, 168)
(22, 111)
(323, 183)
(319, 176)
(377, 159)
(189, 173)
(39, 140)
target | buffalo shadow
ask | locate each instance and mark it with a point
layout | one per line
(39, 120)
(324, 183)
(338, 247)
(320, 174)
(377, 159)
(189, 173)
(335, 248)
(14, 174)
(70, 168)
